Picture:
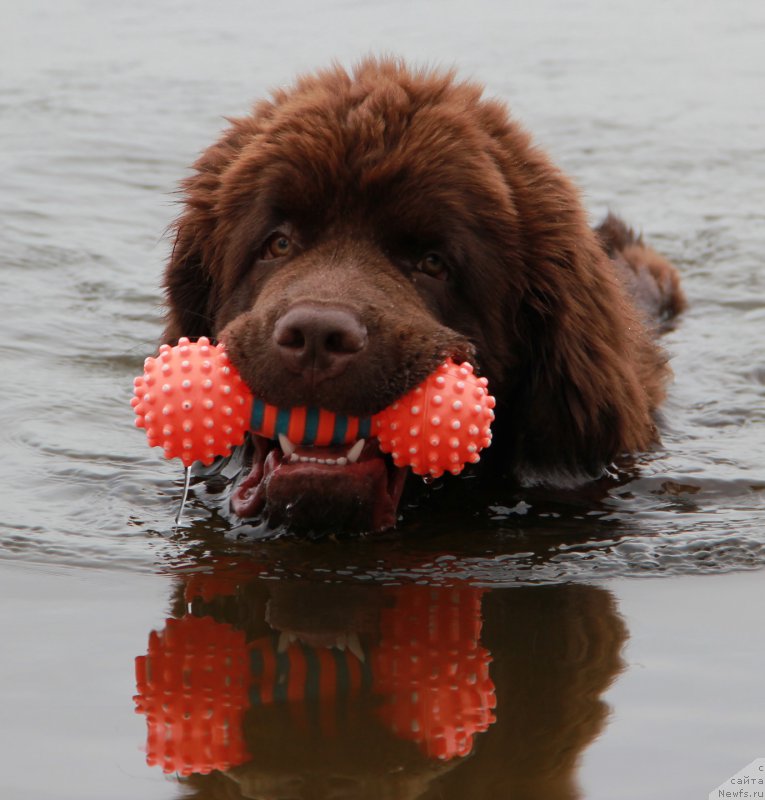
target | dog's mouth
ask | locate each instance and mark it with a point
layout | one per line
(341, 488)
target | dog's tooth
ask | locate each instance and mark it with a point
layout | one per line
(354, 645)
(294, 457)
(284, 642)
(287, 447)
(354, 453)
(342, 461)
(341, 641)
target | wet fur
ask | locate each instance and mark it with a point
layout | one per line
(371, 169)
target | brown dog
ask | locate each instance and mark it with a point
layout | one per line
(351, 233)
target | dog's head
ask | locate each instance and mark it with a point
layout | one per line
(355, 231)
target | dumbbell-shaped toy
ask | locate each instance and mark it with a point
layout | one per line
(194, 404)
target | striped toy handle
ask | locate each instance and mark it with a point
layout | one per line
(307, 426)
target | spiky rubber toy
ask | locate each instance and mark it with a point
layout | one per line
(194, 404)
(441, 425)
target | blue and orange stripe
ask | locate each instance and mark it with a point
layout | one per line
(308, 426)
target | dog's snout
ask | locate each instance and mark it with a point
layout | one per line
(319, 342)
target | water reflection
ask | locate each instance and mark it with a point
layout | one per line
(257, 688)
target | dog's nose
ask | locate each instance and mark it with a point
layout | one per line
(319, 342)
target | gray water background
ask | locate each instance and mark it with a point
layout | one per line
(657, 109)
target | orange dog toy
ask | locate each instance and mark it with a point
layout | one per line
(193, 403)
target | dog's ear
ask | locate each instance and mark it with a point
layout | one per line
(591, 377)
(587, 376)
(191, 272)
(188, 284)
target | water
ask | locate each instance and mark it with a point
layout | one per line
(656, 110)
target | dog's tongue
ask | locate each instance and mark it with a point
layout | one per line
(319, 488)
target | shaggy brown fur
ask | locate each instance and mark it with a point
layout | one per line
(652, 281)
(420, 210)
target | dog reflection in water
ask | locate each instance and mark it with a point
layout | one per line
(259, 689)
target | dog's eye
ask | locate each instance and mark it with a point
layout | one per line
(432, 264)
(278, 245)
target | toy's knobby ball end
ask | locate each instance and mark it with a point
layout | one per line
(192, 401)
(441, 425)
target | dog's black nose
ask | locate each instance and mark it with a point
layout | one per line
(319, 342)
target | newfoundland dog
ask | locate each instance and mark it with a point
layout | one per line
(357, 229)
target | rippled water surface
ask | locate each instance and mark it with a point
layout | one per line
(658, 111)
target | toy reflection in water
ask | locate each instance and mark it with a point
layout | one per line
(303, 690)
(427, 670)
